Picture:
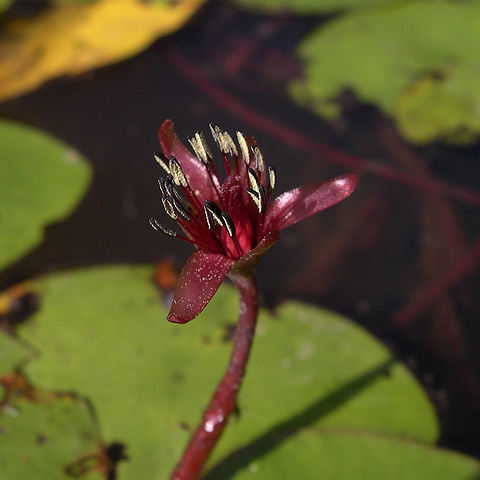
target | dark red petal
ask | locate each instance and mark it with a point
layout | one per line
(301, 202)
(198, 282)
(196, 173)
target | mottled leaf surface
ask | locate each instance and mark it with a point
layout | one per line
(417, 61)
(41, 180)
(40, 440)
(12, 353)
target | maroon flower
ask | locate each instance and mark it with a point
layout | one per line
(231, 223)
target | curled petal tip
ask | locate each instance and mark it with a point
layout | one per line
(171, 317)
(301, 202)
(194, 172)
(166, 126)
(348, 181)
(200, 278)
(166, 134)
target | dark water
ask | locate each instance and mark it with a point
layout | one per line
(367, 257)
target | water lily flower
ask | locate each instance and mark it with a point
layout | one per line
(231, 222)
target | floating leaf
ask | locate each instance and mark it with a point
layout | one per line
(72, 38)
(12, 353)
(418, 61)
(41, 440)
(4, 4)
(308, 6)
(102, 333)
(447, 108)
(41, 180)
(340, 455)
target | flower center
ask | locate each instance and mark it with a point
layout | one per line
(229, 218)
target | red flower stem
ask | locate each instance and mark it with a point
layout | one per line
(223, 402)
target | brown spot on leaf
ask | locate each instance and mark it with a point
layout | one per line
(165, 276)
(16, 385)
(104, 461)
(228, 332)
(41, 438)
(85, 464)
(185, 426)
(17, 303)
(178, 377)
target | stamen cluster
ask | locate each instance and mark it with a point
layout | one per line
(224, 217)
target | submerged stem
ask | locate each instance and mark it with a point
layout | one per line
(223, 401)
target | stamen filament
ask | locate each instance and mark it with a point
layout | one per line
(212, 172)
(238, 247)
(226, 164)
(189, 228)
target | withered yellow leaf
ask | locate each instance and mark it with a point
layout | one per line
(73, 38)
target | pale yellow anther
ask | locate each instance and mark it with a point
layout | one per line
(217, 218)
(253, 180)
(258, 158)
(177, 173)
(232, 148)
(256, 198)
(204, 143)
(161, 162)
(214, 129)
(272, 177)
(200, 148)
(167, 205)
(222, 142)
(243, 147)
(194, 144)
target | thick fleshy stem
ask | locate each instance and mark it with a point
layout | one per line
(223, 402)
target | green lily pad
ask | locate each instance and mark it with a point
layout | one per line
(40, 440)
(308, 7)
(338, 455)
(102, 333)
(4, 4)
(41, 180)
(335, 375)
(12, 353)
(417, 61)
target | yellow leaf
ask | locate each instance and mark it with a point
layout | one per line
(73, 38)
